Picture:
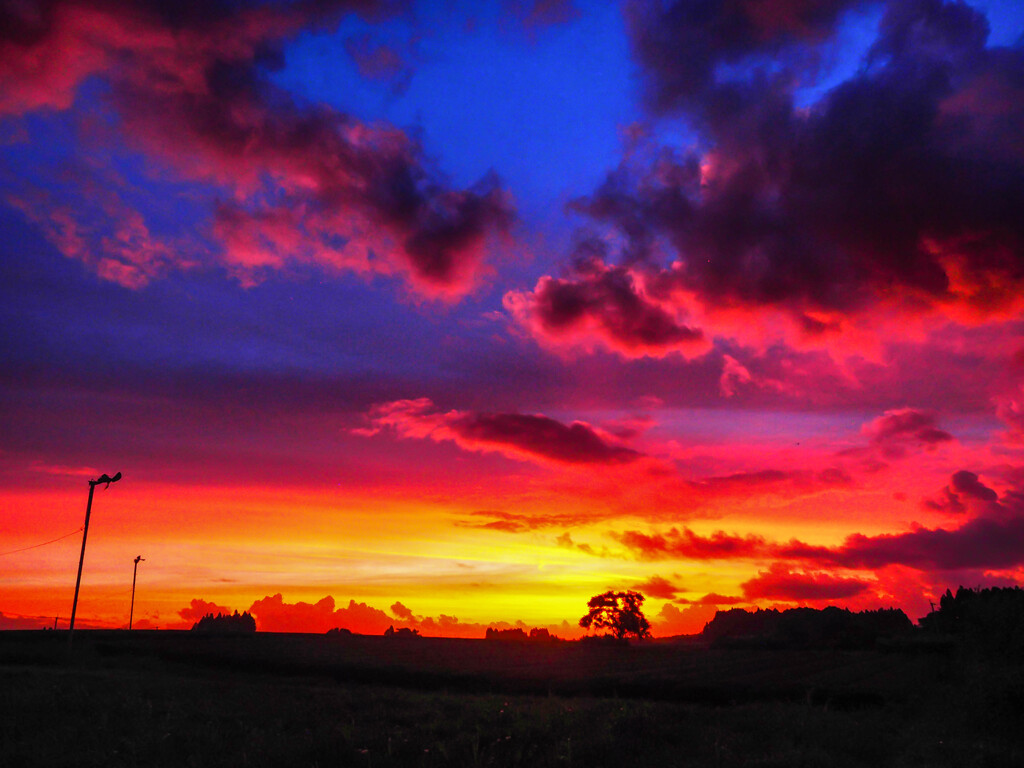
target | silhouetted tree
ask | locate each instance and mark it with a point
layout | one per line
(223, 624)
(987, 620)
(618, 612)
(339, 632)
(805, 627)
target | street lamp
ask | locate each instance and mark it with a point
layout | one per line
(135, 572)
(104, 480)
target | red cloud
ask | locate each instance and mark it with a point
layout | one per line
(993, 540)
(659, 587)
(308, 184)
(685, 544)
(983, 542)
(274, 615)
(22, 622)
(713, 598)
(979, 543)
(781, 583)
(512, 434)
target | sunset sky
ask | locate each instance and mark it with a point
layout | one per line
(449, 314)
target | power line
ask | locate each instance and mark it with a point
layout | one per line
(36, 546)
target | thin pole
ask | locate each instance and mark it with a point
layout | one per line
(135, 572)
(81, 560)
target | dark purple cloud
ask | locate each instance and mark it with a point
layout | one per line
(994, 539)
(967, 484)
(537, 15)
(380, 61)
(979, 543)
(682, 45)
(897, 194)
(895, 431)
(605, 304)
(513, 434)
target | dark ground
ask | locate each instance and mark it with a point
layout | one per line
(166, 698)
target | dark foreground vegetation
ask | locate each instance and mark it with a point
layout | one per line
(204, 699)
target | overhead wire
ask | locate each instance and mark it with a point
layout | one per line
(43, 544)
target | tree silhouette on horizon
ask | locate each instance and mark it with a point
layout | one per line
(619, 612)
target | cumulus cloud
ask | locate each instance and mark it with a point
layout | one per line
(895, 431)
(401, 611)
(604, 305)
(199, 608)
(681, 45)
(671, 620)
(307, 185)
(895, 196)
(274, 614)
(964, 488)
(521, 436)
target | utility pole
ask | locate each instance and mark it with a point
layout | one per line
(103, 479)
(135, 572)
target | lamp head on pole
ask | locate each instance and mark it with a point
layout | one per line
(137, 559)
(106, 480)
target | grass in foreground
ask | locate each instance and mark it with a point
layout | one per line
(127, 711)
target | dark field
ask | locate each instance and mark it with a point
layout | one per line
(178, 699)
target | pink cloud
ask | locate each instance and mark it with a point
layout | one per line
(897, 430)
(306, 185)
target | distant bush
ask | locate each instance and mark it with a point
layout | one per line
(518, 635)
(401, 632)
(988, 620)
(604, 640)
(806, 627)
(541, 635)
(224, 624)
(339, 632)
